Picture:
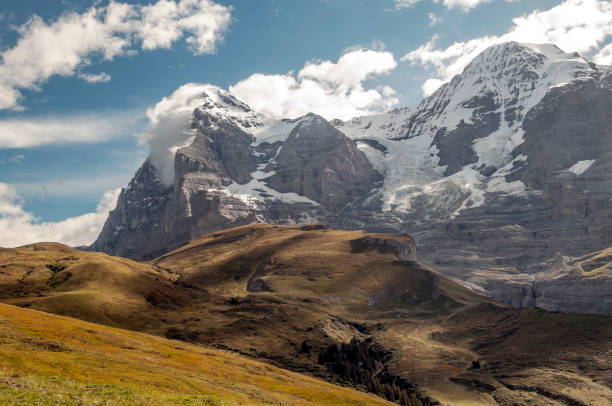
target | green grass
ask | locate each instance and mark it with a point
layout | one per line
(53, 360)
(31, 390)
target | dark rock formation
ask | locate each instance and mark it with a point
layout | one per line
(404, 250)
(321, 163)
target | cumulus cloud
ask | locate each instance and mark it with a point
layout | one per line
(201, 21)
(331, 89)
(36, 131)
(574, 25)
(604, 56)
(431, 85)
(19, 227)
(75, 40)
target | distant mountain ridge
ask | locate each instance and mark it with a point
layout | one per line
(500, 174)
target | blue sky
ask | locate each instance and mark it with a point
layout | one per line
(53, 175)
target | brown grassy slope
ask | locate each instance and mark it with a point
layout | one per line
(48, 359)
(286, 294)
(86, 285)
(317, 290)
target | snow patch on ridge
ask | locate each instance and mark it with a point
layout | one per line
(276, 130)
(256, 191)
(581, 167)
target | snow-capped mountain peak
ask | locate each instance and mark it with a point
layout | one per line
(464, 134)
(216, 105)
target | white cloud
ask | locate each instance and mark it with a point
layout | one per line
(331, 89)
(169, 126)
(430, 86)
(95, 78)
(400, 4)
(464, 5)
(166, 21)
(35, 131)
(19, 227)
(16, 159)
(604, 56)
(76, 40)
(574, 25)
(433, 19)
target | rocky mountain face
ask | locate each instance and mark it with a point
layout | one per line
(226, 176)
(502, 175)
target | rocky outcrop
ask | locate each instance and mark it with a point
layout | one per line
(138, 218)
(578, 285)
(321, 163)
(404, 250)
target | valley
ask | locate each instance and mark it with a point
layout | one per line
(323, 302)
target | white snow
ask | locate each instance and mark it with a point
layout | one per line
(279, 130)
(499, 185)
(274, 130)
(258, 191)
(581, 167)
(472, 181)
(409, 167)
(221, 105)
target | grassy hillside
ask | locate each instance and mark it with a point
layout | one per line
(86, 285)
(311, 300)
(48, 359)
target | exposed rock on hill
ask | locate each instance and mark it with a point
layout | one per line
(404, 250)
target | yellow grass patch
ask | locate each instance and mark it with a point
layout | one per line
(47, 359)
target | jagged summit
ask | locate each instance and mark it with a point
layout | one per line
(216, 105)
(503, 70)
(238, 167)
(521, 56)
